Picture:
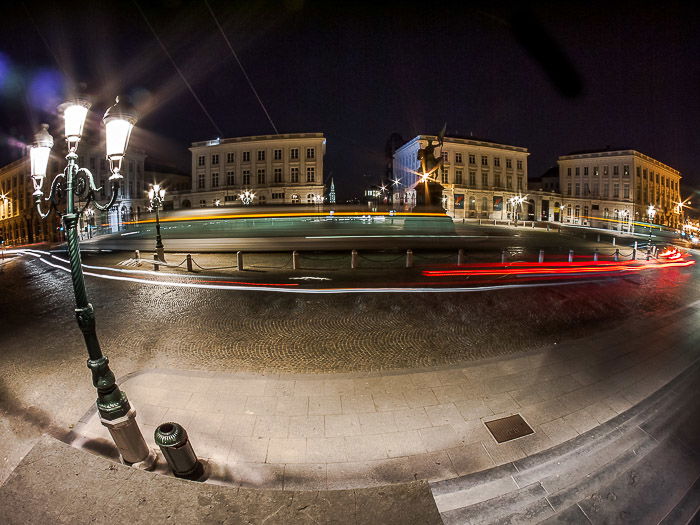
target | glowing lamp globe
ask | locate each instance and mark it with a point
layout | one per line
(74, 113)
(119, 121)
(40, 151)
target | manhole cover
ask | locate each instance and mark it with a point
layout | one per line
(508, 428)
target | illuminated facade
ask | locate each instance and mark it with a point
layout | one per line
(478, 177)
(19, 222)
(601, 187)
(278, 169)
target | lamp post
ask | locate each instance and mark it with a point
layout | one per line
(156, 195)
(115, 411)
(516, 201)
(651, 212)
(246, 197)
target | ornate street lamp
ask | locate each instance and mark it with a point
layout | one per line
(156, 195)
(651, 212)
(114, 409)
(515, 204)
(247, 197)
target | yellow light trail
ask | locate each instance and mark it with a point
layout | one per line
(280, 215)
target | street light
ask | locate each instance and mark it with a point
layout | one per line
(651, 212)
(516, 201)
(156, 195)
(246, 197)
(113, 407)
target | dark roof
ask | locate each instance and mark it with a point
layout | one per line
(551, 172)
(150, 165)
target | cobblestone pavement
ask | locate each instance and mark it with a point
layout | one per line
(45, 385)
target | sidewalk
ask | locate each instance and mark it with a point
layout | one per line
(343, 431)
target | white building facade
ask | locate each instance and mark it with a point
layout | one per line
(278, 169)
(478, 176)
(612, 189)
(19, 221)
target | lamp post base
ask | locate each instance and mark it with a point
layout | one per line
(127, 436)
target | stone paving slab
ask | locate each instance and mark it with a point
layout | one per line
(321, 431)
(56, 483)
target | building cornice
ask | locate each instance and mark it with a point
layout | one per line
(256, 138)
(465, 142)
(620, 153)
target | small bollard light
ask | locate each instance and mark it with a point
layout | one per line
(189, 263)
(460, 256)
(177, 449)
(239, 261)
(571, 255)
(503, 256)
(409, 258)
(614, 241)
(353, 259)
(540, 259)
(595, 254)
(295, 260)
(156, 266)
(616, 255)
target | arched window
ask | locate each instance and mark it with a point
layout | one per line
(484, 204)
(472, 203)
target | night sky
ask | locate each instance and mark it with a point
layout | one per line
(550, 77)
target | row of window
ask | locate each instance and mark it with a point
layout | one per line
(484, 160)
(596, 171)
(310, 198)
(641, 173)
(471, 181)
(595, 189)
(276, 155)
(260, 177)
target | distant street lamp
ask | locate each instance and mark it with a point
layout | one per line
(651, 212)
(112, 404)
(318, 201)
(515, 203)
(156, 195)
(246, 197)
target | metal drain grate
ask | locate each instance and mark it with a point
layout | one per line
(509, 428)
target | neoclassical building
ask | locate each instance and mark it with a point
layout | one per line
(21, 224)
(278, 169)
(478, 176)
(610, 186)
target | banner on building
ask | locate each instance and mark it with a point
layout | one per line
(459, 201)
(497, 203)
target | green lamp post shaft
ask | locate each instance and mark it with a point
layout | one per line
(111, 401)
(159, 240)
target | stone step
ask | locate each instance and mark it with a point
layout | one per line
(649, 491)
(554, 481)
(526, 505)
(688, 508)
